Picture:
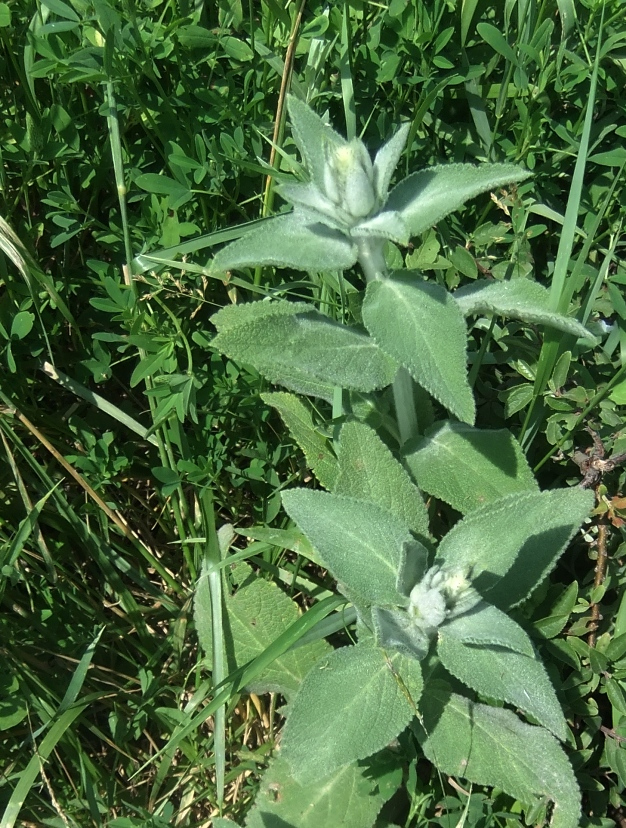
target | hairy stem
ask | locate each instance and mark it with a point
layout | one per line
(372, 259)
(404, 402)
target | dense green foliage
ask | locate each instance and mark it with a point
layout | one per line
(141, 132)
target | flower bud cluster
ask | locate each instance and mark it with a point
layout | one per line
(435, 597)
(349, 179)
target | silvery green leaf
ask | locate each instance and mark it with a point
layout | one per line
(427, 196)
(413, 565)
(233, 316)
(386, 161)
(385, 225)
(395, 630)
(307, 352)
(484, 624)
(420, 325)
(290, 240)
(257, 614)
(360, 543)
(518, 299)
(352, 796)
(513, 543)
(321, 208)
(337, 715)
(299, 420)
(491, 746)
(368, 470)
(504, 675)
(469, 467)
(312, 135)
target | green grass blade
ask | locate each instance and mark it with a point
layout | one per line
(237, 680)
(347, 86)
(213, 556)
(468, 7)
(559, 300)
(65, 716)
(79, 675)
(33, 769)
(24, 531)
(99, 402)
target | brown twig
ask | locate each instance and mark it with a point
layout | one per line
(593, 465)
(611, 734)
(284, 86)
(600, 575)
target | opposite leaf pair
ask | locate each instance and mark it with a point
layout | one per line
(358, 699)
(347, 200)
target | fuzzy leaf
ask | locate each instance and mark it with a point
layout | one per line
(311, 134)
(292, 240)
(385, 225)
(298, 419)
(427, 196)
(369, 471)
(387, 159)
(487, 625)
(491, 746)
(348, 707)
(308, 196)
(419, 324)
(413, 565)
(308, 353)
(517, 299)
(234, 316)
(360, 543)
(352, 797)
(395, 630)
(291, 539)
(508, 565)
(256, 615)
(469, 467)
(502, 674)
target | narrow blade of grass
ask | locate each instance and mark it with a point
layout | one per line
(559, 301)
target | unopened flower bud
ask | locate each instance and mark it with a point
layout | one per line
(349, 179)
(427, 605)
